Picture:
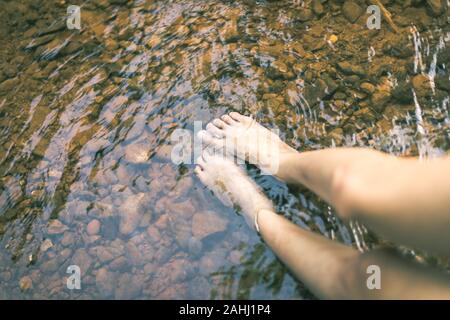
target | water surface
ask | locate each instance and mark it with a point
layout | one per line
(86, 119)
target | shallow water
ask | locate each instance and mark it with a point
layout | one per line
(86, 119)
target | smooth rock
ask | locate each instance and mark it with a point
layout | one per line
(56, 227)
(229, 33)
(68, 239)
(128, 287)
(349, 68)
(422, 85)
(305, 15)
(351, 11)
(131, 213)
(105, 281)
(82, 259)
(136, 153)
(47, 244)
(436, 7)
(207, 223)
(25, 283)
(118, 264)
(93, 227)
(317, 7)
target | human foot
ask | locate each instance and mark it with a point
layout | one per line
(247, 139)
(231, 185)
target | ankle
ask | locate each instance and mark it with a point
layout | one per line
(287, 161)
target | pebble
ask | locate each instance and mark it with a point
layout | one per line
(131, 213)
(8, 85)
(437, 7)
(164, 152)
(82, 259)
(93, 227)
(47, 244)
(68, 239)
(305, 15)
(229, 33)
(153, 233)
(136, 153)
(367, 87)
(207, 223)
(349, 68)
(105, 282)
(352, 11)
(317, 7)
(333, 38)
(118, 264)
(422, 85)
(128, 287)
(56, 227)
(25, 283)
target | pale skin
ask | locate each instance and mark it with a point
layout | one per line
(401, 199)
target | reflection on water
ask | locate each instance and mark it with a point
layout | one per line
(86, 118)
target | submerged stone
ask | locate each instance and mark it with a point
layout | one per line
(207, 223)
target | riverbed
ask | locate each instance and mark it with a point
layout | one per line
(86, 118)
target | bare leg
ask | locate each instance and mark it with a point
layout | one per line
(405, 200)
(330, 269)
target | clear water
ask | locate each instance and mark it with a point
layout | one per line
(89, 105)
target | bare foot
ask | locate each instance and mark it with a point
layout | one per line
(231, 185)
(247, 139)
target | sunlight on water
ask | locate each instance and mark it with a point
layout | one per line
(85, 148)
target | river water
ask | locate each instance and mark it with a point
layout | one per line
(86, 118)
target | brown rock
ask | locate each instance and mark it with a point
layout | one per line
(317, 7)
(82, 259)
(131, 213)
(93, 227)
(47, 244)
(230, 32)
(437, 7)
(56, 227)
(207, 223)
(305, 15)
(153, 233)
(128, 287)
(136, 153)
(422, 85)
(118, 264)
(351, 11)
(367, 87)
(105, 281)
(68, 239)
(25, 283)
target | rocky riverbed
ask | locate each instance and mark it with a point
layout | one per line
(86, 118)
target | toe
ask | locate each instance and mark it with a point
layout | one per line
(205, 136)
(219, 123)
(228, 120)
(214, 131)
(237, 116)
